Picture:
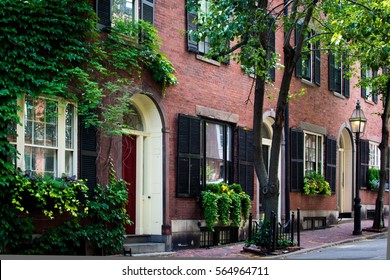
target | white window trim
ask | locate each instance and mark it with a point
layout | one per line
(318, 160)
(375, 158)
(311, 59)
(20, 143)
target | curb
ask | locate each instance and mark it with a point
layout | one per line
(327, 245)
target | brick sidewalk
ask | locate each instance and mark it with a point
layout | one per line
(310, 240)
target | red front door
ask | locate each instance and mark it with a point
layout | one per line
(129, 156)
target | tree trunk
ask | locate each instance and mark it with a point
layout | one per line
(269, 182)
(384, 148)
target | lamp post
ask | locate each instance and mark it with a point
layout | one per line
(358, 124)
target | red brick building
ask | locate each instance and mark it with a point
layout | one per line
(199, 132)
(199, 125)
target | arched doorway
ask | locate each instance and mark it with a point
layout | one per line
(142, 152)
(345, 190)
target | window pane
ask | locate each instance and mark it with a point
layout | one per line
(28, 132)
(38, 133)
(123, 9)
(69, 163)
(41, 161)
(41, 122)
(69, 126)
(214, 153)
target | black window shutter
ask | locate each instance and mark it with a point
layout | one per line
(298, 66)
(375, 93)
(192, 44)
(245, 161)
(147, 10)
(346, 83)
(88, 155)
(365, 162)
(363, 75)
(331, 156)
(297, 160)
(189, 156)
(331, 72)
(103, 11)
(317, 63)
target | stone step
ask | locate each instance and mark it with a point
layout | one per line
(131, 249)
(136, 238)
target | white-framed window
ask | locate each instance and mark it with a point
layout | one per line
(109, 10)
(47, 141)
(338, 83)
(218, 148)
(374, 154)
(308, 67)
(204, 46)
(367, 92)
(313, 152)
(125, 9)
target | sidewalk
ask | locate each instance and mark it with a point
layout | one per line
(310, 240)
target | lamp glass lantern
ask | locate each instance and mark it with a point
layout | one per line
(358, 120)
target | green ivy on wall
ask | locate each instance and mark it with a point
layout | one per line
(53, 48)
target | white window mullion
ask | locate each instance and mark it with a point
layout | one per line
(61, 141)
(20, 138)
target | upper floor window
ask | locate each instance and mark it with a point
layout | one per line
(338, 83)
(46, 141)
(109, 10)
(313, 153)
(308, 67)
(195, 19)
(367, 92)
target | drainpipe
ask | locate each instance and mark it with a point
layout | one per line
(287, 165)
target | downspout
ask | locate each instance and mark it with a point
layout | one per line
(287, 165)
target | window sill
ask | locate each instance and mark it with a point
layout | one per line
(339, 95)
(369, 101)
(307, 82)
(211, 61)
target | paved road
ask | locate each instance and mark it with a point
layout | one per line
(367, 249)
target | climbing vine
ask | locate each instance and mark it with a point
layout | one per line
(41, 54)
(53, 49)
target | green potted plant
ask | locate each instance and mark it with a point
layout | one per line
(373, 178)
(226, 204)
(315, 183)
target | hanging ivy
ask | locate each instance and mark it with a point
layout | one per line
(53, 48)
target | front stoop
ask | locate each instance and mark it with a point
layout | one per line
(131, 249)
(142, 244)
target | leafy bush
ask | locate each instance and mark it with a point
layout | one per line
(373, 178)
(99, 220)
(261, 237)
(225, 203)
(314, 183)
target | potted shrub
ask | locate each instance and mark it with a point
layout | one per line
(226, 204)
(315, 183)
(373, 178)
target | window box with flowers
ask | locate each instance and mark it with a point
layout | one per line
(315, 183)
(226, 204)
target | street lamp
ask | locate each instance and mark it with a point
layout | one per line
(358, 124)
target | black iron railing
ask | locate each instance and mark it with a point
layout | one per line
(277, 234)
